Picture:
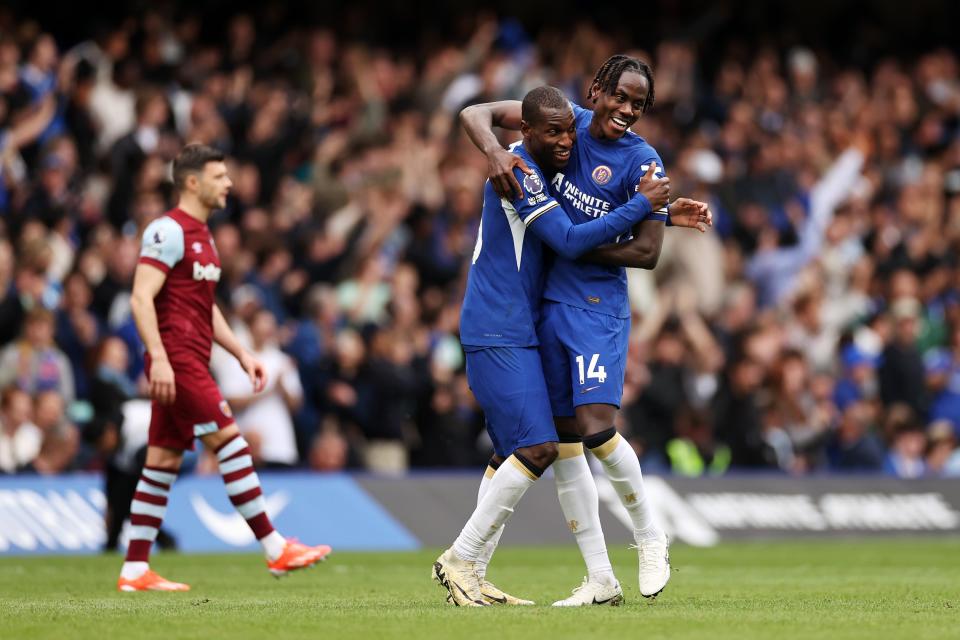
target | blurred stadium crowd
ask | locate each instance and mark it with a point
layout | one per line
(816, 329)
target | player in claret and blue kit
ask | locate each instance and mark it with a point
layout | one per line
(178, 320)
(498, 326)
(585, 319)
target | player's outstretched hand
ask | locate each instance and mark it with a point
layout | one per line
(692, 214)
(162, 387)
(656, 190)
(500, 164)
(256, 371)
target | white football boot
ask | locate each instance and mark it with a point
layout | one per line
(593, 593)
(493, 594)
(460, 579)
(654, 560)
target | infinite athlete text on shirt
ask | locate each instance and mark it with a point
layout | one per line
(583, 202)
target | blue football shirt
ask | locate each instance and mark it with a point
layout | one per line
(601, 176)
(505, 283)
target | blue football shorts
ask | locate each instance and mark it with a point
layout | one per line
(509, 386)
(584, 356)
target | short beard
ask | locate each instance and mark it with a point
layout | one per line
(210, 202)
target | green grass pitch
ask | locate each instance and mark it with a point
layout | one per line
(907, 588)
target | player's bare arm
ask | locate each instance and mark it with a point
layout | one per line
(226, 338)
(641, 252)
(478, 121)
(147, 282)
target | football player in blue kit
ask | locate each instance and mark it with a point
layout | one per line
(498, 325)
(585, 318)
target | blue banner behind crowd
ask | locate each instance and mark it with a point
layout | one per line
(65, 514)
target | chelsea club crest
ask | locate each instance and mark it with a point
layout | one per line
(602, 174)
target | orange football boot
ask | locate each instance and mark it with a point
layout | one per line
(297, 556)
(150, 581)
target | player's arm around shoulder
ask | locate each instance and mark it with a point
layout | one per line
(535, 196)
(478, 118)
(478, 121)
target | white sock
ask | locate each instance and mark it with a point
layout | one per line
(273, 544)
(581, 509)
(623, 468)
(133, 570)
(503, 493)
(487, 552)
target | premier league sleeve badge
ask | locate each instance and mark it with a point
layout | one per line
(532, 184)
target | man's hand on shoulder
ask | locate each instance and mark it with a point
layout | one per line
(500, 165)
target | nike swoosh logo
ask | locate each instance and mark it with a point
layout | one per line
(501, 600)
(595, 601)
(589, 389)
(232, 528)
(465, 595)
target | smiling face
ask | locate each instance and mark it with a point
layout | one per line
(550, 138)
(614, 113)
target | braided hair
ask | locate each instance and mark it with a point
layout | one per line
(608, 76)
